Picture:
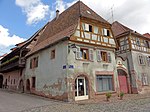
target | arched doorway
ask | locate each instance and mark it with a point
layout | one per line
(81, 88)
(123, 82)
(21, 87)
(28, 85)
(1, 81)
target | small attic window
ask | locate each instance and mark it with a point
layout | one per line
(88, 12)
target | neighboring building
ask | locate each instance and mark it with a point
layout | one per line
(74, 57)
(13, 64)
(1, 76)
(133, 59)
(147, 35)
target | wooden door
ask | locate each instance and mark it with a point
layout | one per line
(123, 83)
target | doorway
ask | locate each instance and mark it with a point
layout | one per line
(123, 83)
(28, 85)
(1, 81)
(81, 88)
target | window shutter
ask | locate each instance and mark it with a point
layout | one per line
(105, 32)
(86, 27)
(78, 53)
(108, 57)
(91, 57)
(99, 58)
(144, 79)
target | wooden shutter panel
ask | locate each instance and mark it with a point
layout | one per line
(91, 57)
(99, 58)
(108, 57)
(78, 53)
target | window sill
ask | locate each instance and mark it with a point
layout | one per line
(84, 60)
(102, 93)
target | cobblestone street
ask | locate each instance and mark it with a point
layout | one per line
(14, 102)
(129, 104)
(140, 105)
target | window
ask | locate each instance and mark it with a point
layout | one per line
(118, 42)
(148, 60)
(144, 79)
(33, 82)
(138, 41)
(141, 60)
(103, 56)
(87, 27)
(106, 32)
(85, 54)
(146, 43)
(104, 83)
(53, 54)
(14, 81)
(31, 64)
(34, 62)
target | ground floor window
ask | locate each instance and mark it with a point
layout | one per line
(104, 83)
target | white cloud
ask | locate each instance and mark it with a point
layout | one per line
(132, 13)
(6, 40)
(35, 10)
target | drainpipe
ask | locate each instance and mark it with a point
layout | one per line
(128, 67)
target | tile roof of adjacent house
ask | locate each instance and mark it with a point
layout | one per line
(120, 29)
(147, 35)
(65, 25)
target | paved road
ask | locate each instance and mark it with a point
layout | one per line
(14, 102)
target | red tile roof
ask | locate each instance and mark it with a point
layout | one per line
(147, 35)
(119, 28)
(65, 25)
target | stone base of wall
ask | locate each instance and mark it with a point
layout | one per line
(134, 90)
(63, 97)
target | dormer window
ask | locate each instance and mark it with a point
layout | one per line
(87, 27)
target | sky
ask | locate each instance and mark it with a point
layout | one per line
(20, 19)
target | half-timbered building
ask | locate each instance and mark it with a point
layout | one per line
(74, 57)
(133, 59)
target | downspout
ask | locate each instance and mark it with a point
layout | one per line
(128, 66)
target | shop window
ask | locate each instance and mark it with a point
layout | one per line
(52, 54)
(104, 83)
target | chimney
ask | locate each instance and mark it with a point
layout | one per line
(57, 14)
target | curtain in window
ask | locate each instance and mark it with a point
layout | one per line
(104, 83)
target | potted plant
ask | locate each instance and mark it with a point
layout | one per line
(121, 95)
(108, 95)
